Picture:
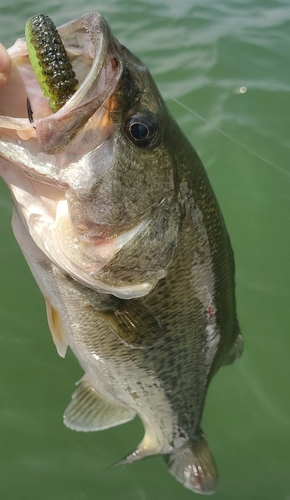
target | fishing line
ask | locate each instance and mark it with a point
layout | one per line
(236, 141)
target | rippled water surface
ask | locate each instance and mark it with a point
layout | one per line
(223, 68)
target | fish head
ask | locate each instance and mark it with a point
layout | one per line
(94, 184)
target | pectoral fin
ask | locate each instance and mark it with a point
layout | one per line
(90, 411)
(55, 327)
(193, 465)
(134, 324)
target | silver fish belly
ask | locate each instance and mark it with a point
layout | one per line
(117, 220)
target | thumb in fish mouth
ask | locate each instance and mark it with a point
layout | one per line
(5, 64)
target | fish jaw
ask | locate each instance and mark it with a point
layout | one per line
(44, 143)
(89, 45)
(33, 154)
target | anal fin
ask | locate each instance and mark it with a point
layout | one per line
(149, 446)
(90, 411)
(193, 465)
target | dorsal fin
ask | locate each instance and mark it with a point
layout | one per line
(90, 411)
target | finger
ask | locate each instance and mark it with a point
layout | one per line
(5, 64)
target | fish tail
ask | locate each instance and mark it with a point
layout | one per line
(193, 465)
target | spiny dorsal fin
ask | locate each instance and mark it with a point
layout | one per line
(193, 465)
(90, 411)
(134, 324)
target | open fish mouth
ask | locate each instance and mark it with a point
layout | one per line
(49, 159)
(25, 112)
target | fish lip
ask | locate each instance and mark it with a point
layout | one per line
(97, 47)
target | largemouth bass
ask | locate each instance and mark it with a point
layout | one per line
(117, 220)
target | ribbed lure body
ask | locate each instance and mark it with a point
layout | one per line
(50, 61)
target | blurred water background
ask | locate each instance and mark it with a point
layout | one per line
(223, 68)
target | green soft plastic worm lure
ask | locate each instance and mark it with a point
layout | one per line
(50, 61)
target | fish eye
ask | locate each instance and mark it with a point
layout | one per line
(142, 129)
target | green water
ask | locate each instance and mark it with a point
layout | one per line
(200, 53)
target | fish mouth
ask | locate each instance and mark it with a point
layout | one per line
(38, 147)
(25, 113)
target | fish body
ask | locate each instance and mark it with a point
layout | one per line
(117, 220)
